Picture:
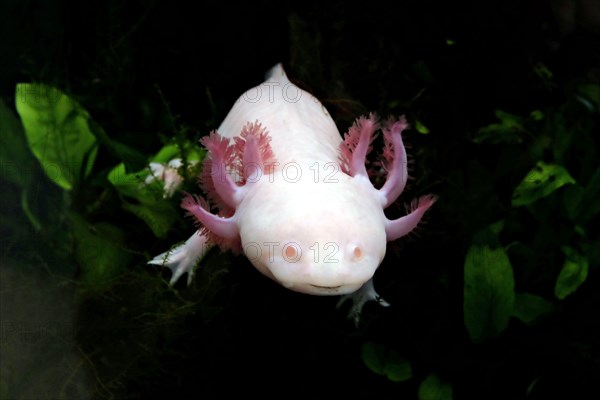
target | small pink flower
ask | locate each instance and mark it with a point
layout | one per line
(168, 173)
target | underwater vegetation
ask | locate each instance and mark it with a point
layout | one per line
(102, 107)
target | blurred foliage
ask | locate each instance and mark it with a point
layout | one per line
(496, 298)
(489, 295)
(146, 199)
(386, 363)
(432, 389)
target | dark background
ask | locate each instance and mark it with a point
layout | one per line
(145, 69)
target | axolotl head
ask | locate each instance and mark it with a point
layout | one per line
(312, 236)
(324, 238)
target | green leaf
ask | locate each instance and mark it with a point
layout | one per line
(573, 273)
(537, 115)
(170, 151)
(57, 131)
(130, 184)
(167, 153)
(382, 361)
(421, 128)
(542, 71)
(509, 130)
(98, 251)
(397, 369)
(373, 355)
(530, 308)
(489, 293)
(540, 182)
(432, 389)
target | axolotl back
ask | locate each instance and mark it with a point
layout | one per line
(295, 197)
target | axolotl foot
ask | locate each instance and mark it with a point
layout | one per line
(183, 258)
(359, 298)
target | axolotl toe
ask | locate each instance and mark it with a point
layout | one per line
(295, 197)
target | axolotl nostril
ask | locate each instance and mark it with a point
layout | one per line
(295, 197)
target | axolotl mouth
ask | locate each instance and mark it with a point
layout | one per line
(346, 290)
(321, 290)
(327, 287)
(327, 290)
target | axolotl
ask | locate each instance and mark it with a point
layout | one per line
(295, 197)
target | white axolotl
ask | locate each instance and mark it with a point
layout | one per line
(295, 197)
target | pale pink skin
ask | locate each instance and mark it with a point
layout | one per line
(300, 204)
